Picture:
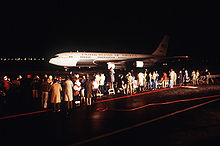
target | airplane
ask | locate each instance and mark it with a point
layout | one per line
(114, 60)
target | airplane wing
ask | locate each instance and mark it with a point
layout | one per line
(147, 61)
(175, 57)
(124, 60)
(139, 59)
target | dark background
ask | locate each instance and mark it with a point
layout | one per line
(44, 28)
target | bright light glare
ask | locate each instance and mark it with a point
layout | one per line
(139, 63)
(111, 65)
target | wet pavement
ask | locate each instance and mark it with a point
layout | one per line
(178, 116)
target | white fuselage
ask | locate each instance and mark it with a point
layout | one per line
(71, 59)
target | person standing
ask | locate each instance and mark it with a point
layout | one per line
(154, 80)
(95, 87)
(35, 91)
(55, 96)
(157, 76)
(172, 74)
(120, 84)
(193, 78)
(45, 88)
(83, 98)
(35, 87)
(175, 78)
(112, 77)
(77, 87)
(102, 83)
(68, 93)
(149, 79)
(129, 85)
(145, 79)
(197, 77)
(88, 91)
(180, 78)
(141, 82)
(186, 76)
(207, 76)
(164, 80)
(7, 86)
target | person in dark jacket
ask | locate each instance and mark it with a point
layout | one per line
(88, 91)
(45, 88)
(180, 78)
(35, 84)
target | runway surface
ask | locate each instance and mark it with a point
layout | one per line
(178, 116)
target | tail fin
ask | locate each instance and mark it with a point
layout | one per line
(162, 48)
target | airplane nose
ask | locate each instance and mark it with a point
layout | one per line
(52, 61)
(63, 61)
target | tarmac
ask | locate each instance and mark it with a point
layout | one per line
(185, 115)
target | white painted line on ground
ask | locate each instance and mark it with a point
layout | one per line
(192, 87)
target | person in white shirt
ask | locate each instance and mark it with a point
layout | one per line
(95, 87)
(172, 76)
(141, 82)
(112, 77)
(102, 83)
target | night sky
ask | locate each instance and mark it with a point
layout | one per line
(43, 28)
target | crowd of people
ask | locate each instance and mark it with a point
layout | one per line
(78, 90)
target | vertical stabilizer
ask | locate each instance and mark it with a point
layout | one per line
(162, 48)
